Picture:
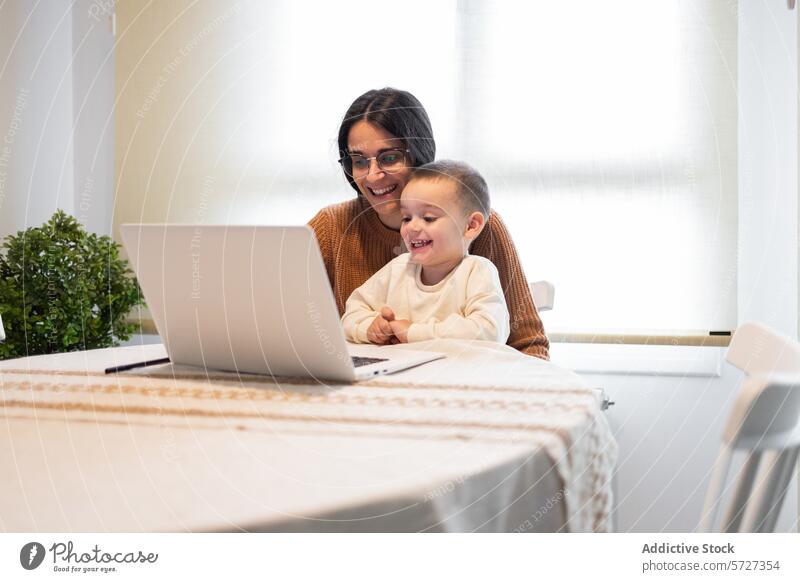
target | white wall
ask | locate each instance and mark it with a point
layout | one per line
(767, 290)
(56, 96)
(35, 112)
(93, 113)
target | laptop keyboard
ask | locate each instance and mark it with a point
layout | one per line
(362, 361)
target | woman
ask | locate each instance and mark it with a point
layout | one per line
(384, 135)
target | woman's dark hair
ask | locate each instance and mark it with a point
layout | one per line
(399, 113)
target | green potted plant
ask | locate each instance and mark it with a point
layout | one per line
(63, 289)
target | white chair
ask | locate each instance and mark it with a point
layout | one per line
(544, 294)
(2, 331)
(765, 424)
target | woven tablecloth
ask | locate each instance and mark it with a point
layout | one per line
(486, 439)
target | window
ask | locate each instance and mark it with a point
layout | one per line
(607, 131)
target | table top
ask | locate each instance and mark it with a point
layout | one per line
(486, 439)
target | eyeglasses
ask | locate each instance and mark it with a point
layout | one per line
(390, 161)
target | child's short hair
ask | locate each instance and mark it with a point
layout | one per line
(473, 191)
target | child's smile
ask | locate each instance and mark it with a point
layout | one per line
(417, 245)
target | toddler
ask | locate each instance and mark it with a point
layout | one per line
(437, 289)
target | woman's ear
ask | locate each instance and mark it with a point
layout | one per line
(475, 224)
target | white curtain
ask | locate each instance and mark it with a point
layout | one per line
(606, 130)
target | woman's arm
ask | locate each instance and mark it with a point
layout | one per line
(321, 224)
(527, 331)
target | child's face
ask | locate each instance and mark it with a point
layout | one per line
(434, 226)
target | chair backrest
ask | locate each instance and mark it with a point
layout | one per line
(544, 295)
(765, 423)
(757, 349)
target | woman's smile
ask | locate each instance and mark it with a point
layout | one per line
(383, 191)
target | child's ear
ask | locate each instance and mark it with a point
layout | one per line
(475, 224)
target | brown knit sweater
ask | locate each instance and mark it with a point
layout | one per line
(355, 244)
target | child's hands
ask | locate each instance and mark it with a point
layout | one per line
(400, 329)
(380, 330)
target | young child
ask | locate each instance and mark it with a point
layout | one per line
(437, 289)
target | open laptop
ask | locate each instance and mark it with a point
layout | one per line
(252, 299)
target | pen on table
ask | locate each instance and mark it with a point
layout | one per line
(719, 333)
(125, 367)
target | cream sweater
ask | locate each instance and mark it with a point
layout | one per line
(467, 304)
(355, 245)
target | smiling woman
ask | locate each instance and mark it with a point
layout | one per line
(384, 135)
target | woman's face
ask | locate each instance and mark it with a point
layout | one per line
(381, 189)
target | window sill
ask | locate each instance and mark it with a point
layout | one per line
(618, 337)
(639, 337)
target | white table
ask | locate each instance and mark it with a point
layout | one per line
(484, 440)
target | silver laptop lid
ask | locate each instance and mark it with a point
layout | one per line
(247, 298)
